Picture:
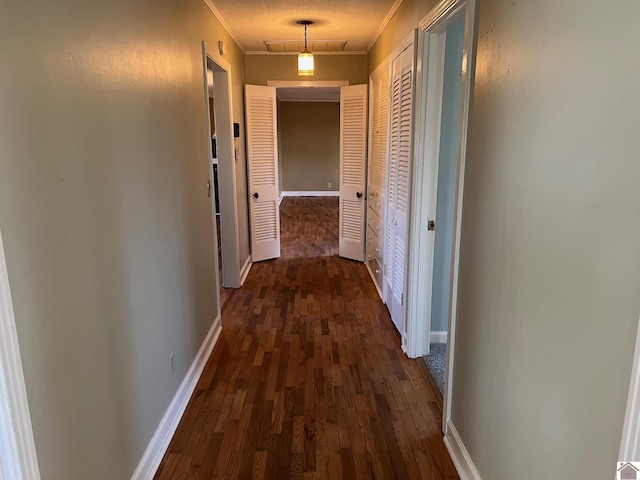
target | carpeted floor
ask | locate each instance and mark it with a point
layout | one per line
(436, 361)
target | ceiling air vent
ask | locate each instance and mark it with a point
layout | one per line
(294, 46)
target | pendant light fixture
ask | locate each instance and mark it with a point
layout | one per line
(305, 58)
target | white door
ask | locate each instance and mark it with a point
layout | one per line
(353, 163)
(399, 181)
(262, 164)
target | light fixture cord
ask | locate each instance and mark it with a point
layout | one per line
(305, 38)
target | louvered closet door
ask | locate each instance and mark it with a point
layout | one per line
(399, 182)
(262, 162)
(353, 163)
(377, 175)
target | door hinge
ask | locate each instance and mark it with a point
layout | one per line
(402, 299)
(431, 225)
(384, 269)
(209, 188)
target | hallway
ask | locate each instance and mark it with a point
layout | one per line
(308, 379)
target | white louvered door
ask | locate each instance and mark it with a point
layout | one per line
(262, 163)
(377, 174)
(353, 163)
(399, 182)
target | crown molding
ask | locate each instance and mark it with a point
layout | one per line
(225, 25)
(383, 25)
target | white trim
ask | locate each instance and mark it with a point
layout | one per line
(159, 443)
(307, 83)
(445, 10)
(225, 25)
(265, 52)
(305, 193)
(405, 43)
(630, 443)
(459, 454)
(280, 197)
(245, 270)
(18, 458)
(438, 336)
(468, 69)
(386, 63)
(392, 11)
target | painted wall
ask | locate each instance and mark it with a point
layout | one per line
(550, 264)
(309, 145)
(107, 227)
(447, 173)
(261, 68)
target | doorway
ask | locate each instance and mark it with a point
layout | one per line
(222, 171)
(309, 168)
(265, 175)
(225, 292)
(443, 102)
(445, 199)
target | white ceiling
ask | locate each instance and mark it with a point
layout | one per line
(252, 22)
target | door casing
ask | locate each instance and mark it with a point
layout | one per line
(18, 458)
(230, 236)
(430, 58)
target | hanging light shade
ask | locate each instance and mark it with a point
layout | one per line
(305, 58)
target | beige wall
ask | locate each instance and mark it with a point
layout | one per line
(261, 68)
(309, 145)
(106, 223)
(550, 264)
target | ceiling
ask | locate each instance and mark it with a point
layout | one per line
(356, 22)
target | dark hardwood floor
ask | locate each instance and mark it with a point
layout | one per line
(308, 380)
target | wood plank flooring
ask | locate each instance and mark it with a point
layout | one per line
(308, 380)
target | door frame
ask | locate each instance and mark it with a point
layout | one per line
(225, 146)
(18, 458)
(630, 442)
(422, 241)
(307, 84)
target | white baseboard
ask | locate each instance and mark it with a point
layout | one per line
(280, 197)
(459, 454)
(245, 270)
(159, 443)
(305, 193)
(438, 336)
